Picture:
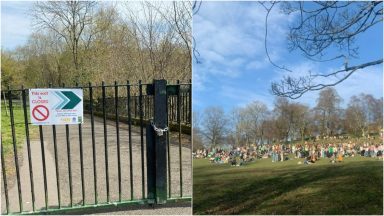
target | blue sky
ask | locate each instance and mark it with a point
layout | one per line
(16, 25)
(234, 70)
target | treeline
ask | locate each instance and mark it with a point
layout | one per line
(82, 41)
(289, 121)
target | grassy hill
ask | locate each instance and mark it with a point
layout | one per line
(354, 186)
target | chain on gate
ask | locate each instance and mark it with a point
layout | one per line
(159, 131)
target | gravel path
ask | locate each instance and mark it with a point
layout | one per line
(100, 168)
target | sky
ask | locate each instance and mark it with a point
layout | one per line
(233, 69)
(16, 25)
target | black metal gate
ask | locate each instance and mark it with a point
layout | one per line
(133, 147)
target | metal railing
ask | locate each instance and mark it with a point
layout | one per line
(124, 108)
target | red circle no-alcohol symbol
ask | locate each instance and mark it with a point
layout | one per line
(40, 113)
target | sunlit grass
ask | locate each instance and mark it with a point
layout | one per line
(6, 129)
(262, 187)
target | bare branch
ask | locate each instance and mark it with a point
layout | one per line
(266, 37)
(320, 26)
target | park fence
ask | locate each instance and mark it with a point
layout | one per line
(116, 157)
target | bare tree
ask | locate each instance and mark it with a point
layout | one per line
(283, 120)
(363, 112)
(253, 117)
(196, 6)
(198, 141)
(158, 38)
(238, 131)
(68, 19)
(45, 49)
(179, 18)
(269, 129)
(302, 120)
(290, 120)
(356, 122)
(328, 109)
(214, 125)
(322, 26)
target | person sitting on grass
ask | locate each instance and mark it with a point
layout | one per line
(366, 150)
(335, 150)
(273, 152)
(242, 156)
(373, 150)
(332, 155)
(362, 151)
(235, 157)
(330, 151)
(238, 160)
(340, 157)
(211, 159)
(215, 158)
(232, 160)
(380, 151)
(308, 160)
(297, 151)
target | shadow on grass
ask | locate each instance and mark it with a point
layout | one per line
(349, 188)
(121, 208)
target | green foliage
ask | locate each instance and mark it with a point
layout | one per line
(6, 131)
(110, 47)
(11, 71)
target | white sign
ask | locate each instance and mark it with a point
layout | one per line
(56, 106)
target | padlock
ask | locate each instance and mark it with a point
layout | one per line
(160, 132)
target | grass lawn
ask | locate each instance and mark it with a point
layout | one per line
(354, 186)
(6, 131)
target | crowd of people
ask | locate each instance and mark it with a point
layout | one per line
(235, 156)
(310, 152)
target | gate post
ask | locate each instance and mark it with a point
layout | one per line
(157, 145)
(151, 166)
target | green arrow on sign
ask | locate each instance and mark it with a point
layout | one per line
(63, 100)
(73, 100)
